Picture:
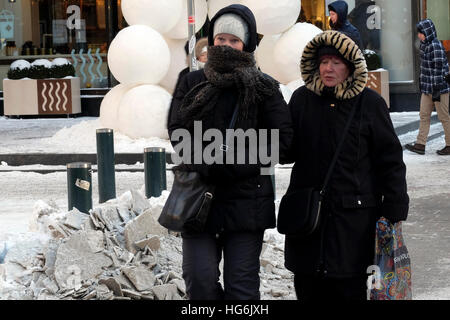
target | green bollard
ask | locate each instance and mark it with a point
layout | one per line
(155, 171)
(79, 183)
(105, 165)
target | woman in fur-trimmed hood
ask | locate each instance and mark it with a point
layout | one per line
(243, 205)
(368, 180)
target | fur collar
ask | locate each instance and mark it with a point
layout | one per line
(354, 84)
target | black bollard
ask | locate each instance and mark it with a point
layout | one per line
(79, 183)
(105, 165)
(155, 171)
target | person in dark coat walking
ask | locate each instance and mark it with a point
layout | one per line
(243, 205)
(359, 17)
(339, 22)
(368, 181)
(435, 89)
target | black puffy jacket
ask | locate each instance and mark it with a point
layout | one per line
(343, 25)
(244, 199)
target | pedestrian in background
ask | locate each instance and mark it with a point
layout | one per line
(201, 52)
(368, 180)
(339, 22)
(433, 86)
(243, 206)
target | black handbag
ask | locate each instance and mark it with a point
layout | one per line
(189, 201)
(299, 210)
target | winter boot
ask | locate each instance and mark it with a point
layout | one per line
(444, 152)
(416, 147)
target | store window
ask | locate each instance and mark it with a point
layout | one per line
(439, 12)
(386, 27)
(46, 29)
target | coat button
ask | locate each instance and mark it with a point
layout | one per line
(259, 186)
(359, 202)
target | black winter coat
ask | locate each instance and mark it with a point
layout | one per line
(343, 25)
(244, 199)
(368, 180)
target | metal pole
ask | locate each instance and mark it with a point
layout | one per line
(193, 65)
(272, 177)
(155, 171)
(105, 165)
(79, 184)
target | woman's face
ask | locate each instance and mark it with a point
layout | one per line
(421, 36)
(203, 57)
(333, 16)
(226, 39)
(333, 71)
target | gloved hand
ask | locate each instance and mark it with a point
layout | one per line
(436, 96)
(391, 219)
(447, 78)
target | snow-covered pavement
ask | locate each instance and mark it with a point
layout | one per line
(427, 230)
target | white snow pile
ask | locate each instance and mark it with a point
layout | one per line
(116, 252)
(83, 140)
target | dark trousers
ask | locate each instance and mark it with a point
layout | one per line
(202, 254)
(318, 288)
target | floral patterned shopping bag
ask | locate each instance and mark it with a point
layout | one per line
(393, 264)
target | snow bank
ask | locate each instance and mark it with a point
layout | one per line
(83, 140)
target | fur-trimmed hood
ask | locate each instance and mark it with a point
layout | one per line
(309, 66)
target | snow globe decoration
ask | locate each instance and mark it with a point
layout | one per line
(139, 54)
(159, 15)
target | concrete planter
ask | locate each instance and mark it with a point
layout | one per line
(41, 96)
(379, 81)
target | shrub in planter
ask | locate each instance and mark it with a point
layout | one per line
(373, 60)
(41, 69)
(61, 71)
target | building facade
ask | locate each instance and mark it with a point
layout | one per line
(81, 30)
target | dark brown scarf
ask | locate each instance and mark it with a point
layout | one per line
(227, 67)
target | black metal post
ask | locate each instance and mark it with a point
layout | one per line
(112, 28)
(155, 171)
(79, 184)
(105, 165)
(193, 65)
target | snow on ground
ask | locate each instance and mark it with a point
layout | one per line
(20, 137)
(24, 193)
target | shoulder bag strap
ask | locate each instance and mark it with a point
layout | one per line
(338, 150)
(224, 147)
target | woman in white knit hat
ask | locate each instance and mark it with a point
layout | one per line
(243, 204)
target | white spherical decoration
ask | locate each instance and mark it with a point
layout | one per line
(60, 62)
(180, 31)
(42, 62)
(273, 17)
(110, 105)
(143, 112)
(264, 55)
(139, 54)
(294, 85)
(20, 64)
(286, 92)
(215, 5)
(159, 15)
(288, 50)
(178, 62)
